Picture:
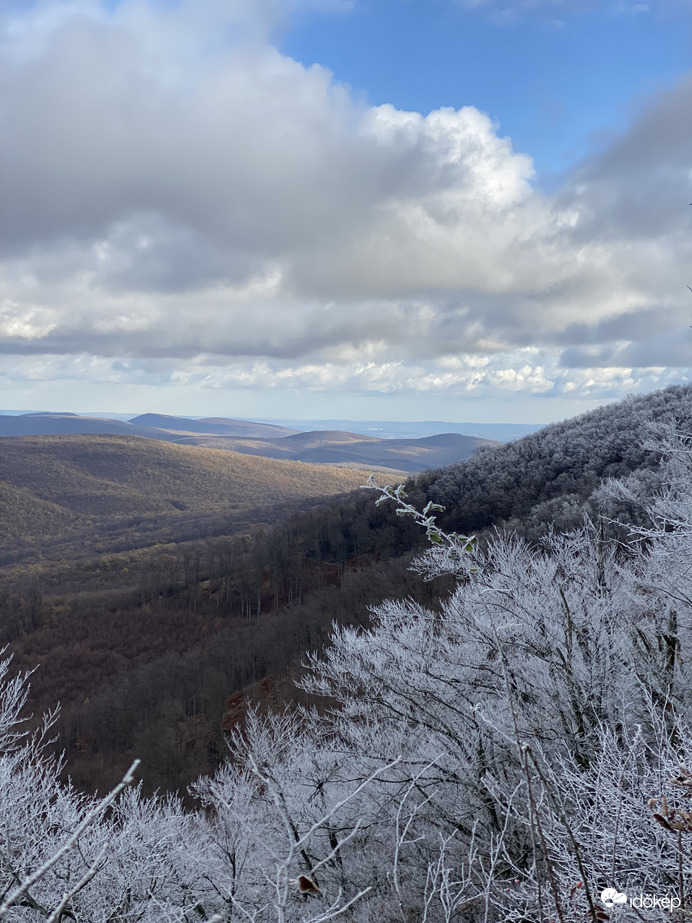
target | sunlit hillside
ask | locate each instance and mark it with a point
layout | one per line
(50, 484)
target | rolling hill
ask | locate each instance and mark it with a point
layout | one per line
(149, 425)
(212, 426)
(322, 447)
(338, 448)
(50, 484)
(63, 424)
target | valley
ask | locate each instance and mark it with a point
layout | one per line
(153, 584)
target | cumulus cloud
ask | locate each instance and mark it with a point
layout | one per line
(176, 191)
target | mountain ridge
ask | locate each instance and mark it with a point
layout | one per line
(334, 447)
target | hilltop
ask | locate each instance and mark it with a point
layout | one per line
(267, 440)
(211, 426)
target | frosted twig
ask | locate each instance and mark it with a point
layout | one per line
(87, 820)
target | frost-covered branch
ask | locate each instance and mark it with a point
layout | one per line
(16, 895)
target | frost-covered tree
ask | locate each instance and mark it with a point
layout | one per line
(507, 756)
(543, 669)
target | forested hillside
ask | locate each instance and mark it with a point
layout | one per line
(93, 476)
(547, 477)
(145, 625)
(514, 748)
(99, 491)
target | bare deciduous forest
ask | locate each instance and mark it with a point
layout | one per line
(494, 735)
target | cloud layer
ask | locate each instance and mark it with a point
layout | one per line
(182, 203)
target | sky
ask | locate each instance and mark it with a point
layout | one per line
(464, 210)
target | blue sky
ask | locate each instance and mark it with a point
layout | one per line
(559, 78)
(377, 209)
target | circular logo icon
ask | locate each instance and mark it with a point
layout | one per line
(611, 897)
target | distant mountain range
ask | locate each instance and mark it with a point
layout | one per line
(380, 429)
(332, 447)
(416, 429)
(149, 425)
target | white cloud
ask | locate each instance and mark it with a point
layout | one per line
(213, 212)
(25, 321)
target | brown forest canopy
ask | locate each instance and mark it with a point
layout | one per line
(150, 609)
